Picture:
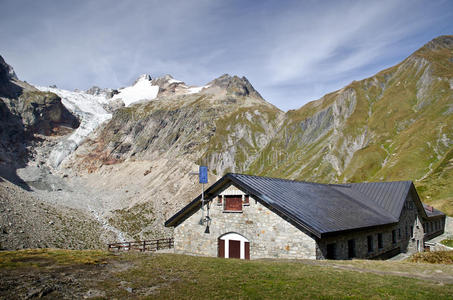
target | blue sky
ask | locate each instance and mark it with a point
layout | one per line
(291, 51)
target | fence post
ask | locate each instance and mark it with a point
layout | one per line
(157, 247)
(144, 246)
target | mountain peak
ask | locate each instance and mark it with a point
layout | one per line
(443, 41)
(143, 77)
(7, 70)
(235, 85)
(9, 85)
(166, 83)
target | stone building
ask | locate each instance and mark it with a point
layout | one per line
(251, 217)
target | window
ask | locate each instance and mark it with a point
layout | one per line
(412, 232)
(394, 236)
(233, 203)
(246, 200)
(431, 225)
(219, 200)
(370, 243)
(351, 248)
(379, 241)
(331, 251)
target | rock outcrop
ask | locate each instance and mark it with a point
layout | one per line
(25, 111)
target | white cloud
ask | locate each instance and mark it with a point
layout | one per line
(310, 47)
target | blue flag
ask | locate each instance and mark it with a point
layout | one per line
(203, 173)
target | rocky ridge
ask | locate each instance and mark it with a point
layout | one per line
(396, 125)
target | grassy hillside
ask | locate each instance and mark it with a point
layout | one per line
(64, 273)
(396, 125)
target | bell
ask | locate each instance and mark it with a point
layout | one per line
(207, 229)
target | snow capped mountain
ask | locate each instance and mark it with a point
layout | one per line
(142, 89)
(89, 109)
(90, 106)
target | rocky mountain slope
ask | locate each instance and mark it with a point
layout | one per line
(127, 165)
(147, 150)
(396, 125)
(32, 215)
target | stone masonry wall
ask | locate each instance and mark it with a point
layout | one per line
(270, 236)
(406, 243)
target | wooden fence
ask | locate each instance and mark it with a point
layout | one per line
(142, 246)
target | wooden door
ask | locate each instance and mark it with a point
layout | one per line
(234, 250)
(247, 250)
(221, 249)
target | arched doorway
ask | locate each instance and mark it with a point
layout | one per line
(233, 245)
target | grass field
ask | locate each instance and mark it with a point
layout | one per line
(448, 242)
(98, 274)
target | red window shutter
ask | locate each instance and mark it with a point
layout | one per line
(233, 203)
(221, 249)
(219, 200)
(246, 199)
(247, 250)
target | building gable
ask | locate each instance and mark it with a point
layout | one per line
(320, 209)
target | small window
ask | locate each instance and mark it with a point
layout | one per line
(370, 243)
(219, 200)
(394, 236)
(379, 241)
(399, 233)
(351, 249)
(431, 224)
(233, 203)
(412, 232)
(331, 251)
(246, 200)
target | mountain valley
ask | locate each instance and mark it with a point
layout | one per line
(106, 165)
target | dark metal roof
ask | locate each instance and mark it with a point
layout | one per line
(319, 208)
(431, 211)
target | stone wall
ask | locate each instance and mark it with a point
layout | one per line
(270, 236)
(404, 241)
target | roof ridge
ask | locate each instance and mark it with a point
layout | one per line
(281, 179)
(365, 182)
(348, 184)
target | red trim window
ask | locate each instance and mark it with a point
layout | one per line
(233, 202)
(246, 200)
(219, 200)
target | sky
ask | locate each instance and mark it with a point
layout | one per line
(291, 51)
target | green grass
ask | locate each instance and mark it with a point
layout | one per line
(134, 219)
(169, 276)
(40, 257)
(447, 242)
